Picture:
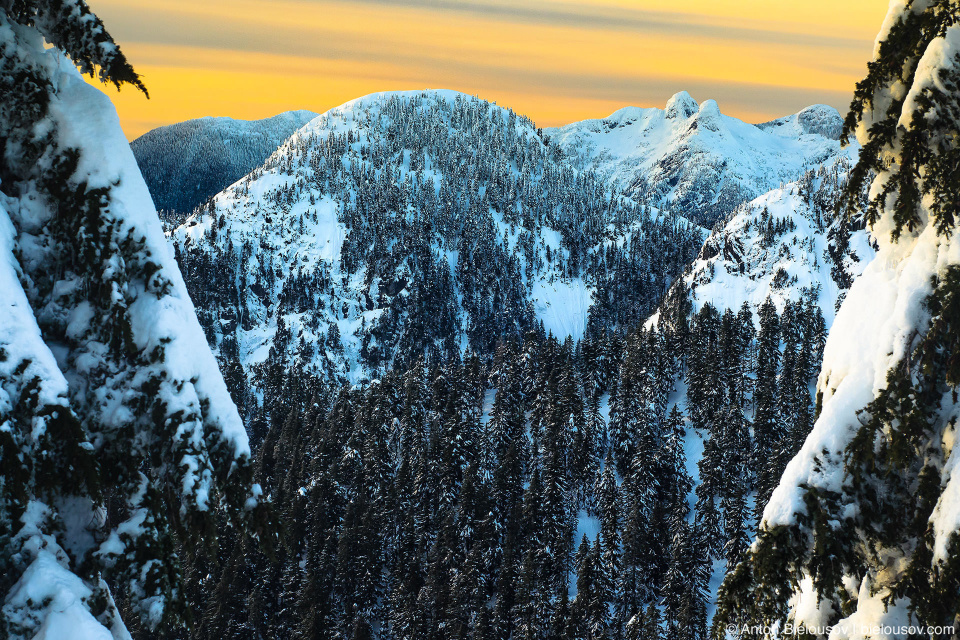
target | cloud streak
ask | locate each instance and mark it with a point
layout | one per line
(619, 19)
(556, 61)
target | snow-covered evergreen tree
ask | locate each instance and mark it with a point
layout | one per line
(864, 530)
(118, 439)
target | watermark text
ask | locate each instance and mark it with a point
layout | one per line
(790, 629)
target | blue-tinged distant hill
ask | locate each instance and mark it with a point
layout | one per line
(186, 163)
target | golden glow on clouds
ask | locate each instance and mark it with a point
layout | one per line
(555, 60)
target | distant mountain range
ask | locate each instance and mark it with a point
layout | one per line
(687, 157)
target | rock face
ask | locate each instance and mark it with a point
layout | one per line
(691, 158)
(783, 245)
(188, 162)
(818, 120)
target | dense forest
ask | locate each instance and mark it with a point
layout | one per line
(542, 492)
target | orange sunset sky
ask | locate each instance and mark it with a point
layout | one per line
(554, 60)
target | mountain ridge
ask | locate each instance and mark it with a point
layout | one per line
(691, 157)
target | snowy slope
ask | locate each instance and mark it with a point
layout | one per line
(874, 331)
(186, 163)
(786, 246)
(882, 329)
(88, 121)
(866, 518)
(780, 245)
(692, 158)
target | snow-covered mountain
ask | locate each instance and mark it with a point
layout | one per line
(419, 224)
(410, 226)
(781, 246)
(692, 158)
(425, 224)
(186, 163)
(782, 264)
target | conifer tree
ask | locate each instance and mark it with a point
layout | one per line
(609, 507)
(128, 446)
(589, 614)
(862, 531)
(626, 405)
(766, 425)
(681, 568)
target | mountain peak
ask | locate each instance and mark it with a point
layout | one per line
(821, 119)
(709, 116)
(682, 105)
(698, 161)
